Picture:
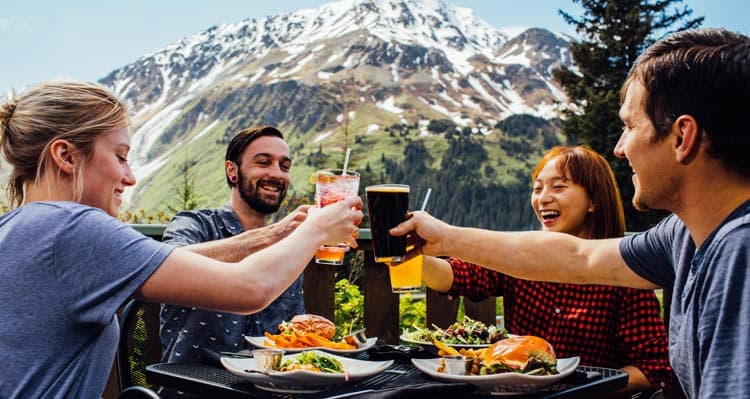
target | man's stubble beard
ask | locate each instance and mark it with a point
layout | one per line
(254, 201)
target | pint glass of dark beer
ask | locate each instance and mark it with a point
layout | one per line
(387, 205)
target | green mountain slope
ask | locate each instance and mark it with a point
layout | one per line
(478, 178)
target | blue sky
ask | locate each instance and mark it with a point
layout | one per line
(86, 39)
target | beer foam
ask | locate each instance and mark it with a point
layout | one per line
(388, 188)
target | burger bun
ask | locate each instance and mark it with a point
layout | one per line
(517, 353)
(310, 323)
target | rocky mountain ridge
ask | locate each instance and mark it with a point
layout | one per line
(342, 75)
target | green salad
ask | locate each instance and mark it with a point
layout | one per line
(464, 332)
(312, 361)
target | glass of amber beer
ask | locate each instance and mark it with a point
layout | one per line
(331, 186)
(406, 276)
(387, 205)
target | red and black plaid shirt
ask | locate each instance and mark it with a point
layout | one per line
(606, 326)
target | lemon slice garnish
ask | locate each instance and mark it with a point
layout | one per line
(321, 175)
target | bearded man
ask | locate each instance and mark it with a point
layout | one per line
(257, 167)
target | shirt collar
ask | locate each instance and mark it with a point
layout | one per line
(230, 219)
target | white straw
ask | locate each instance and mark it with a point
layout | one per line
(346, 160)
(426, 198)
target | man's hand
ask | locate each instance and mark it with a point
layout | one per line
(283, 227)
(431, 233)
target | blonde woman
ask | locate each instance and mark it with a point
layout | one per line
(68, 264)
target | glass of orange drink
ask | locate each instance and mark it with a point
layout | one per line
(331, 186)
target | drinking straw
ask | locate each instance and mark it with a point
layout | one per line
(426, 198)
(346, 160)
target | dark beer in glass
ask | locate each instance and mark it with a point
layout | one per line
(387, 205)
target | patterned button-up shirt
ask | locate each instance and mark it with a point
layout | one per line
(184, 330)
(606, 326)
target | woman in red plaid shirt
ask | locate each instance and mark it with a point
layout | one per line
(575, 192)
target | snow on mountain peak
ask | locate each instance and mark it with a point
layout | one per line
(429, 23)
(444, 55)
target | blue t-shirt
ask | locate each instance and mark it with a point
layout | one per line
(709, 330)
(66, 268)
(186, 331)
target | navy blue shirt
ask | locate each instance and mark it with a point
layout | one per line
(66, 268)
(709, 329)
(185, 330)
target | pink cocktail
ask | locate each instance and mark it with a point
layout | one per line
(331, 186)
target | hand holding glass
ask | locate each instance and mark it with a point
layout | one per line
(388, 205)
(331, 186)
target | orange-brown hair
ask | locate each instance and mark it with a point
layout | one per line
(590, 170)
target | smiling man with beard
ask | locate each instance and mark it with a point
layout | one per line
(257, 167)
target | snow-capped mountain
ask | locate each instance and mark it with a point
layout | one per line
(372, 63)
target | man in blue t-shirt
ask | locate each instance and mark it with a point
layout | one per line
(257, 167)
(684, 109)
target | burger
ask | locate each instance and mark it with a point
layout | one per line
(521, 354)
(309, 323)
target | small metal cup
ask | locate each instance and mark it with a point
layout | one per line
(458, 364)
(268, 359)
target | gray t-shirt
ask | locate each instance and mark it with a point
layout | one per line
(709, 330)
(66, 268)
(186, 331)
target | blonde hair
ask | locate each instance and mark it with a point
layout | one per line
(73, 111)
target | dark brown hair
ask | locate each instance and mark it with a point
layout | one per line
(706, 74)
(590, 170)
(243, 139)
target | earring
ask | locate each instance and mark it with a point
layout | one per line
(233, 179)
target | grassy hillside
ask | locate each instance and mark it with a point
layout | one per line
(478, 179)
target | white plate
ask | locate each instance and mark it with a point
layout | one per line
(406, 338)
(503, 383)
(303, 381)
(260, 342)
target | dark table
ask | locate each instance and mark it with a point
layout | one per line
(210, 381)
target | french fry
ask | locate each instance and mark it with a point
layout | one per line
(472, 353)
(445, 349)
(306, 339)
(279, 340)
(295, 340)
(322, 341)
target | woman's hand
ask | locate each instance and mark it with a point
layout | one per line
(338, 222)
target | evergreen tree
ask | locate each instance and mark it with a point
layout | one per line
(186, 195)
(614, 33)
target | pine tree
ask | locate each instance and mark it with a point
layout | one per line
(186, 195)
(614, 33)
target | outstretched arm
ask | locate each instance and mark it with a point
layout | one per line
(189, 279)
(236, 248)
(437, 274)
(537, 255)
